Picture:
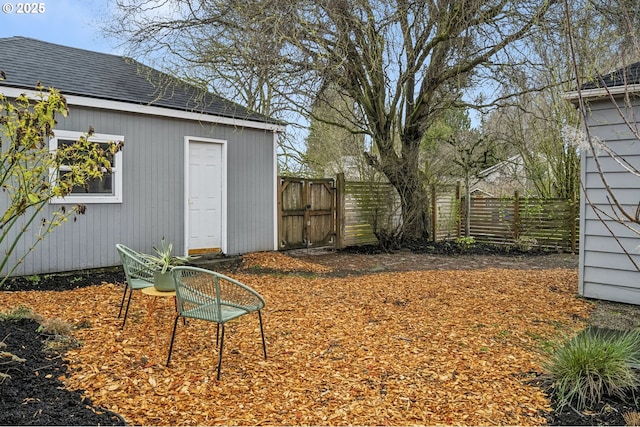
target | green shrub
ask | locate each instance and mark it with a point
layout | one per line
(465, 243)
(594, 364)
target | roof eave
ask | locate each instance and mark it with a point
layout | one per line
(602, 92)
(83, 101)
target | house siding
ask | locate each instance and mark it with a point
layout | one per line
(606, 271)
(153, 193)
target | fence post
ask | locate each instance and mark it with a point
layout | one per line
(280, 220)
(460, 210)
(516, 215)
(434, 214)
(572, 216)
(340, 211)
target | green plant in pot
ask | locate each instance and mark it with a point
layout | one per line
(162, 279)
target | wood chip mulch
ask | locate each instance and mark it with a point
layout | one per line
(279, 262)
(423, 347)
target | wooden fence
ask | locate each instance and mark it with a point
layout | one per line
(547, 223)
(349, 213)
(445, 213)
(362, 210)
(306, 212)
(520, 221)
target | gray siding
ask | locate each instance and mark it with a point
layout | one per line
(153, 193)
(251, 180)
(606, 271)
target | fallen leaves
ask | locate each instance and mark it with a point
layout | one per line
(424, 347)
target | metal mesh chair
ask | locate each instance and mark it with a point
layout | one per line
(207, 295)
(138, 272)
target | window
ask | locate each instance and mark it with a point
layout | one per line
(106, 190)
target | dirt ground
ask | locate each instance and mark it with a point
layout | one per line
(42, 400)
(346, 262)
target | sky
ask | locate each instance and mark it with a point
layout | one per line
(74, 23)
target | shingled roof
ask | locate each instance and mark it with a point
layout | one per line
(629, 75)
(84, 73)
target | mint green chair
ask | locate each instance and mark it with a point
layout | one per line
(207, 295)
(138, 272)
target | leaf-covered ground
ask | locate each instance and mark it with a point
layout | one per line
(398, 348)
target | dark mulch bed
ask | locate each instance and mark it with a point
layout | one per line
(64, 281)
(609, 412)
(451, 248)
(35, 396)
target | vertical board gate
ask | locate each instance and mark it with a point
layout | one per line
(306, 212)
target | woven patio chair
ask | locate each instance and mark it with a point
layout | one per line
(207, 295)
(138, 272)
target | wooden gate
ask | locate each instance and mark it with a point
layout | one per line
(306, 212)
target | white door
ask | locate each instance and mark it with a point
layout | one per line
(206, 193)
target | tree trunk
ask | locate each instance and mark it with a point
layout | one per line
(404, 174)
(413, 200)
(467, 198)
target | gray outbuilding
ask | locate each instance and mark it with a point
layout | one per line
(196, 169)
(609, 240)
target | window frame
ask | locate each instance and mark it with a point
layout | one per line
(90, 198)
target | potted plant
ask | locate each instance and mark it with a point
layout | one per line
(162, 279)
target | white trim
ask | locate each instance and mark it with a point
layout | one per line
(275, 192)
(223, 236)
(583, 224)
(601, 92)
(105, 104)
(185, 201)
(510, 161)
(117, 170)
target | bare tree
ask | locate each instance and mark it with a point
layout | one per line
(218, 46)
(531, 125)
(532, 131)
(472, 154)
(622, 17)
(401, 62)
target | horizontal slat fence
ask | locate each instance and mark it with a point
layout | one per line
(363, 209)
(550, 223)
(445, 214)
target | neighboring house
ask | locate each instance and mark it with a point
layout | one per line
(505, 178)
(478, 192)
(196, 169)
(502, 179)
(609, 250)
